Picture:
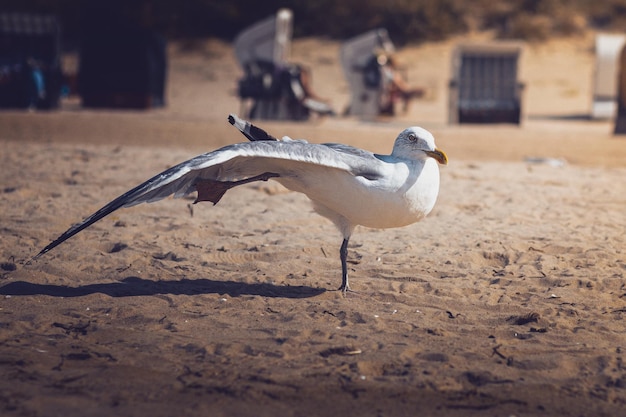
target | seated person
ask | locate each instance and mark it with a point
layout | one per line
(311, 99)
(284, 84)
(395, 86)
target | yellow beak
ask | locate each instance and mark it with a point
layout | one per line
(438, 155)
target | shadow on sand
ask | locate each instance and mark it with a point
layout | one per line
(134, 286)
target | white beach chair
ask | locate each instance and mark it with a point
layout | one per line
(260, 50)
(484, 86)
(272, 88)
(268, 40)
(607, 49)
(355, 55)
(267, 88)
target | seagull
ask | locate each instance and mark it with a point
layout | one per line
(349, 186)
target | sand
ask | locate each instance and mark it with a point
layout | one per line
(509, 299)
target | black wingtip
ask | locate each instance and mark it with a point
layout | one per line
(250, 131)
(39, 255)
(51, 246)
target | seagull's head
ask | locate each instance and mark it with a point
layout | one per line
(418, 143)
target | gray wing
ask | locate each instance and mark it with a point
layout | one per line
(365, 162)
(235, 163)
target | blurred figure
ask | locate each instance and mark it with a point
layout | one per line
(306, 79)
(396, 89)
(620, 119)
(37, 83)
(280, 92)
(30, 63)
(310, 98)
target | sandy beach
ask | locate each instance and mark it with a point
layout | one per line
(509, 299)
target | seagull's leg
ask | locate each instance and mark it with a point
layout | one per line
(214, 190)
(343, 254)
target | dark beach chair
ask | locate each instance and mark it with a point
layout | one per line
(620, 117)
(485, 86)
(123, 63)
(30, 61)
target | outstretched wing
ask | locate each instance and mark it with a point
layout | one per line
(213, 173)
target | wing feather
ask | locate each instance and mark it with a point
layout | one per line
(235, 162)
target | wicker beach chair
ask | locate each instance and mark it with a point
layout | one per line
(484, 86)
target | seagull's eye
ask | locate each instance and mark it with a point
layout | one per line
(412, 137)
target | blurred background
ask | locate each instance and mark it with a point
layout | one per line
(408, 21)
(175, 55)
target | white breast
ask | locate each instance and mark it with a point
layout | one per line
(401, 198)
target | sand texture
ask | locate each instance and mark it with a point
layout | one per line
(509, 299)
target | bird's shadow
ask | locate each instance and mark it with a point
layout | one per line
(135, 286)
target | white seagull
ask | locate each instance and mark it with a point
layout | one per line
(349, 186)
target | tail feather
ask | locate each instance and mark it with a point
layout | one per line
(249, 130)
